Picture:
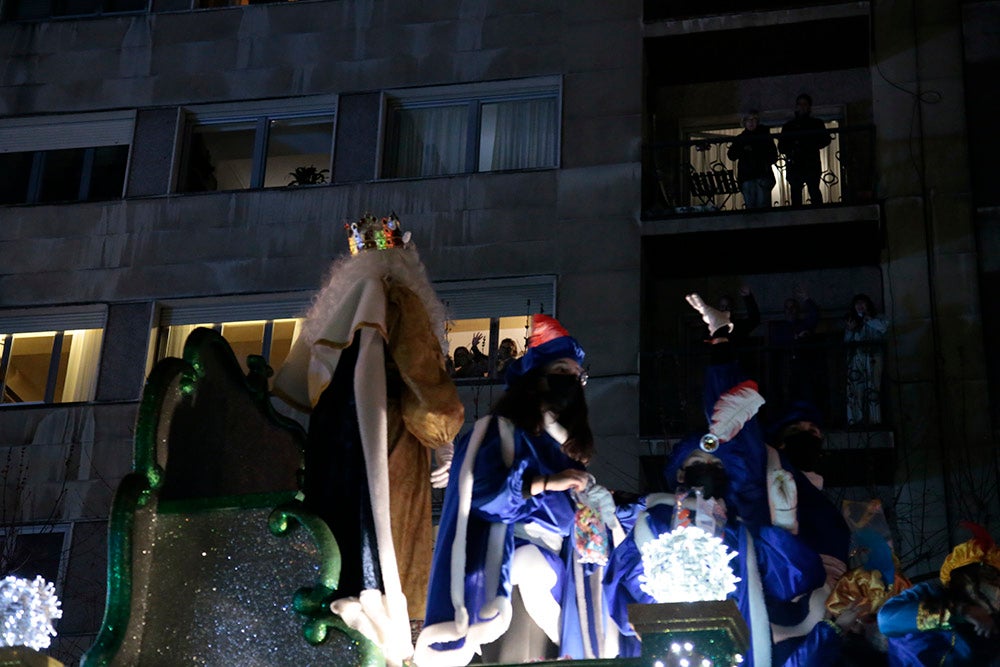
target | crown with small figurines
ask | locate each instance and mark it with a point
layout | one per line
(371, 233)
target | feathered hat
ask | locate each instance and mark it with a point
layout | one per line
(548, 342)
(980, 549)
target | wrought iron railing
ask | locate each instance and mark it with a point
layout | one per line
(697, 176)
(823, 370)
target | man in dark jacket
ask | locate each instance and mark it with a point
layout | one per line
(754, 150)
(800, 141)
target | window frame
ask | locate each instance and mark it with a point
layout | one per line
(493, 299)
(219, 311)
(260, 113)
(59, 321)
(474, 96)
(66, 528)
(40, 135)
(60, 17)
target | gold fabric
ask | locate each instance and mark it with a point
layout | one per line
(425, 415)
(864, 588)
(933, 618)
(966, 554)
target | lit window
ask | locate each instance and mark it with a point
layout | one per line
(60, 159)
(38, 10)
(709, 161)
(240, 148)
(52, 366)
(490, 322)
(263, 326)
(463, 129)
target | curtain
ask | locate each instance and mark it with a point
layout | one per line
(519, 134)
(430, 141)
(81, 366)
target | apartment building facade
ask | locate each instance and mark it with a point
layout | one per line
(175, 163)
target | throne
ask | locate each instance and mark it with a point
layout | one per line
(212, 556)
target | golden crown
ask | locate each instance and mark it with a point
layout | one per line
(371, 233)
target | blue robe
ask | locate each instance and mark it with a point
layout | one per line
(479, 541)
(785, 569)
(909, 644)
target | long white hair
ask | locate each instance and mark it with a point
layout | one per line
(401, 265)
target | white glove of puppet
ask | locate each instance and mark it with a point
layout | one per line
(714, 318)
(440, 474)
(783, 497)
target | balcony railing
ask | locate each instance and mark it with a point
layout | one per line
(824, 371)
(696, 176)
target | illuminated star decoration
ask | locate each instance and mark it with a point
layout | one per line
(28, 608)
(687, 565)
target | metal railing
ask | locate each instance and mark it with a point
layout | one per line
(696, 176)
(824, 370)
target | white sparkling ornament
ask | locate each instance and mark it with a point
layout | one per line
(687, 565)
(29, 607)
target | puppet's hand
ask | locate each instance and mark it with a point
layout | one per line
(439, 475)
(784, 500)
(714, 318)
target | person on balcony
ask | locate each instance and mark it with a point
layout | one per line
(754, 152)
(864, 331)
(800, 141)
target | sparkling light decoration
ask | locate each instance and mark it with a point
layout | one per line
(29, 607)
(687, 565)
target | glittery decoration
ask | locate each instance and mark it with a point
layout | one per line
(220, 591)
(690, 634)
(687, 565)
(28, 609)
(195, 576)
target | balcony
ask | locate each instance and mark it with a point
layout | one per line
(695, 177)
(819, 370)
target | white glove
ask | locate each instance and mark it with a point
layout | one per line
(714, 318)
(783, 497)
(439, 475)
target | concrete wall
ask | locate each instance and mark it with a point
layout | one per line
(579, 221)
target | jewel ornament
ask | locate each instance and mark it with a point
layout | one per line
(28, 607)
(687, 565)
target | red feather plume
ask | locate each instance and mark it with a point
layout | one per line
(980, 535)
(543, 329)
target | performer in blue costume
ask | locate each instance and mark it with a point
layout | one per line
(507, 580)
(954, 620)
(773, 565)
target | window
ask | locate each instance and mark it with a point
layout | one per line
(58, 158)
(30, 551)
(50, 357)
(40, 10)
(229, 147)
(708, 159)
(463, 129)
(261, 325)
(490, 321)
